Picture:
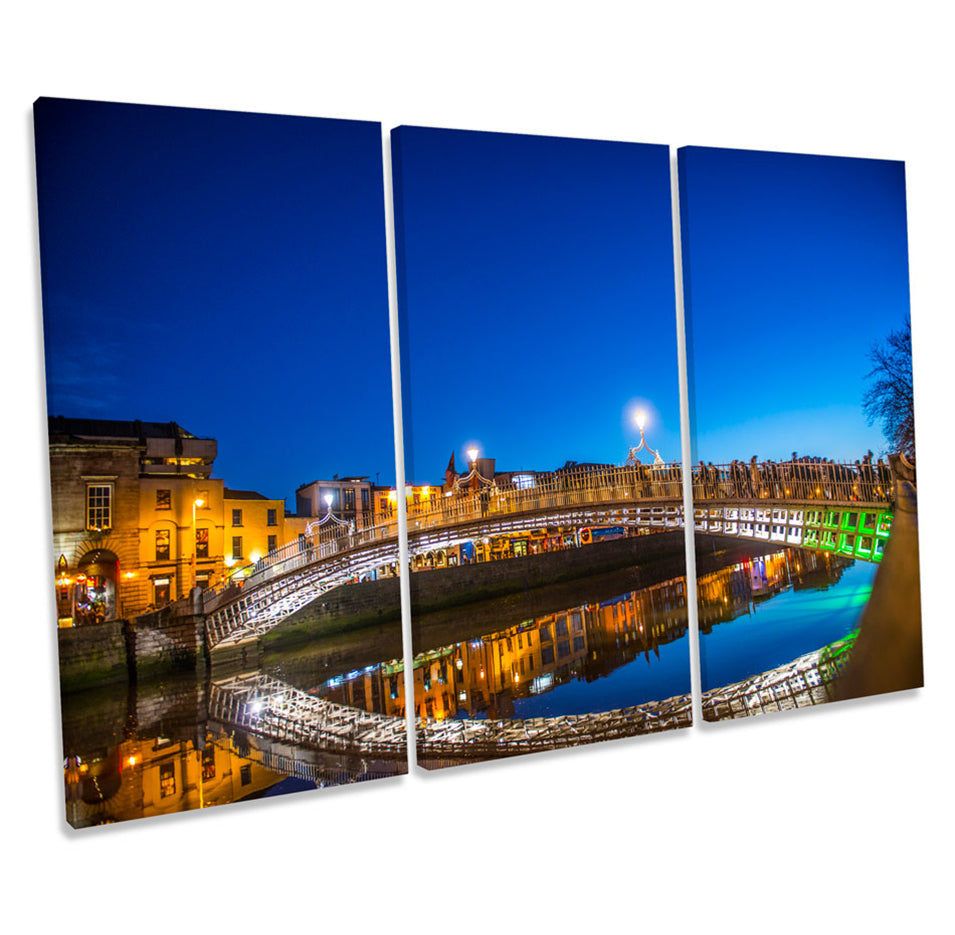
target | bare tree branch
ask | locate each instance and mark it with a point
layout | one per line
(889, 400)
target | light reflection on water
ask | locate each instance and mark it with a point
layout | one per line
(152, 750)
(764, 613)
(631, 649)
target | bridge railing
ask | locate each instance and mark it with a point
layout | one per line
(794, 480)
(578, 486)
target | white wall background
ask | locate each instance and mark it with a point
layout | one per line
(826, 820)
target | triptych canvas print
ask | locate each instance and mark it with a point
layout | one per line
(232, 530)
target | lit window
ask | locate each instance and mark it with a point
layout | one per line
(161, 590)
(167, 779)
(163, 499)
(98, 506)
(202, 542)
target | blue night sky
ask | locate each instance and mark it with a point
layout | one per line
(536, 294)
(794, 267)
(225, 271)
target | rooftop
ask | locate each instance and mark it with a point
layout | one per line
(115, 429)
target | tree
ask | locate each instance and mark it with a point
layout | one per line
(889, 399)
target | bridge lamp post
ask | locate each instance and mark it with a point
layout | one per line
(641, 419)
(328, 502)
(195, 539)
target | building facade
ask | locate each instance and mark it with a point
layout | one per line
(138, 520)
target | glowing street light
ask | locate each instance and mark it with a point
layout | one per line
(641, 419)
(328, 501)
(472, 454)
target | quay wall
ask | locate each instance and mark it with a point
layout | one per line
(92, 655)
(117, 651)
(166, 640)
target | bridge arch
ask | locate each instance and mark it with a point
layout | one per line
(814, 506)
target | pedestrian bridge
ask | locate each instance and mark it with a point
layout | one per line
(819, 505)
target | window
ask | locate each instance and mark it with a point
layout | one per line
(162, 545)
(349, 498)
(273, 543)
(271, 519)
(202, 542)
(160, 591)
(167, 779)
(364, 498)
(237, 547)
(236, 517)
(209, 762)
(245, 774)
(163, 499)
(98, 506)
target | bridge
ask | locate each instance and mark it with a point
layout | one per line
(845, 508)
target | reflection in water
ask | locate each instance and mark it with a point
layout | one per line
(627, 650)
(563, 663)
(159, 776)
(781, 606)
(157, 749)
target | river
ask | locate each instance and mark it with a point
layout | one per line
(576, 650)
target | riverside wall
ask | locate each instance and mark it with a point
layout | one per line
(147, 647)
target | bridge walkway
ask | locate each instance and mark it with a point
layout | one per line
(818, 505)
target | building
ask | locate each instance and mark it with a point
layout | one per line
(254, 526)
(138, 520)
(124, 523)
(349, 499)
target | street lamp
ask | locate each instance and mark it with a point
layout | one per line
(328, 502)
(195, 538)
(641, 419)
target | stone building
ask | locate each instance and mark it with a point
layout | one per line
(130, 500)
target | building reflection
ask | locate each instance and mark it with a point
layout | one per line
(482, 677)
(734, 591)
(142, 778)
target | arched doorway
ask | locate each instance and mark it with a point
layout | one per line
(96, 586)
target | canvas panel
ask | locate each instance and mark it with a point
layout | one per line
(541, 439)
(802, 422)
(220, 417)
